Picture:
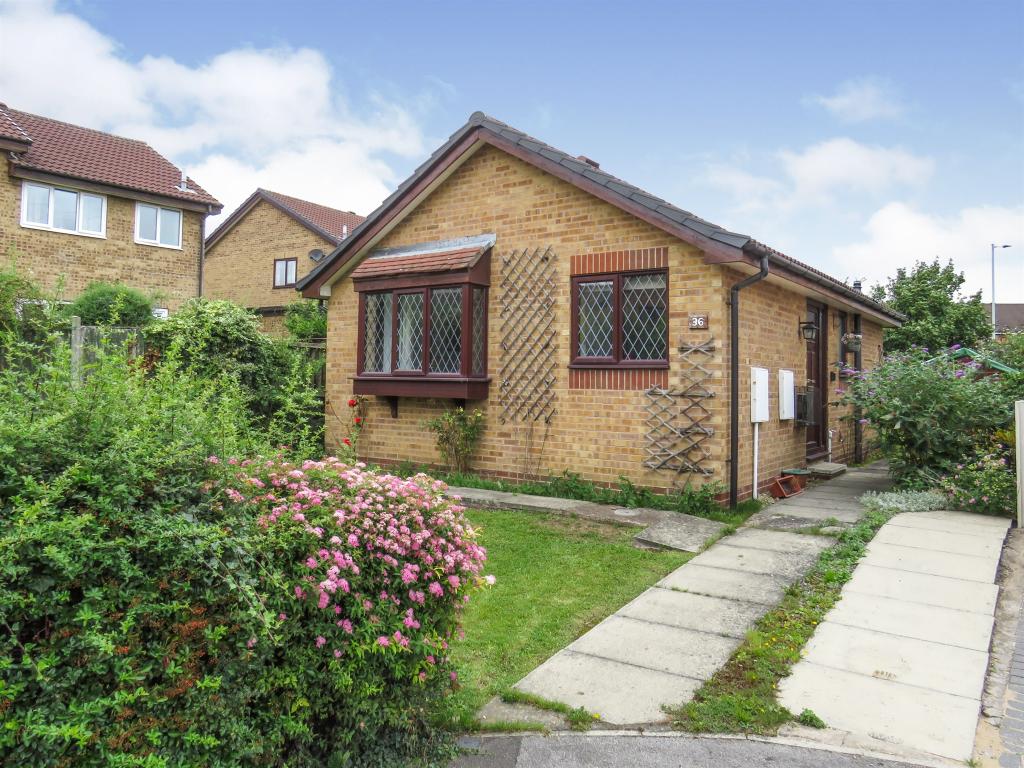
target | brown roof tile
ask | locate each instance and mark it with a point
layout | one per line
(9, 128)
(418, 263)
(88, 155)
(336, 223)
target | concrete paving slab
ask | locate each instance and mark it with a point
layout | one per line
(948, 526)
(924, 622)
(658, 647)
(923, 588)
(777, 541)
(788, 565)
(686, 610)
(826, 468)
(812, 513)
(620, 693)
(930, 721)
(765, 589)
(780, 521)
(964, 517)
(683, 532)
(498, 711)
(825, 505)
(950, 564)
(940, 541)
(937, 667)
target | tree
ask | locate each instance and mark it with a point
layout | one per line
(937, 315)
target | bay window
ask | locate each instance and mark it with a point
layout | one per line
(422, 334)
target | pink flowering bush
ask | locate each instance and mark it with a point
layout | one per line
(987, 484)
(367, 576)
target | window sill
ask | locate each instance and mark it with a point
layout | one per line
(624, 366)
(158, 245)
(43, 228)
(456, 388)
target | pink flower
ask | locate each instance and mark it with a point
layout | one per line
(213, 460)
(337, 653)
(347, 626)
(320, 641)
(490, 580)
(383, 641)
(435, 589)
(251, 642)
(282, 616)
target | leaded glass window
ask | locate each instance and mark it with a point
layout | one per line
(377, 333)
(445, 330)
(594, 324)
(410, 332)
(479, 331)
(644, 318)
(621, 319)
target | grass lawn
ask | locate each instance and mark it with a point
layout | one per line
(556, 578)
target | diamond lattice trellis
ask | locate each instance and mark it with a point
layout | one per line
(529, 351)
(677, 418)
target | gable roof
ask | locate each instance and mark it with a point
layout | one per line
(51, 147)
(720, 245)
(330, 223)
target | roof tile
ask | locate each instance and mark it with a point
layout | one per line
(338, 224)
(81, 153)
(418, 263)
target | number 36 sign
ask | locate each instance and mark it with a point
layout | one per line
(698, 322)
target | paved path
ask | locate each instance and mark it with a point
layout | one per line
(902, 657)
(661, 751)
(662, 646)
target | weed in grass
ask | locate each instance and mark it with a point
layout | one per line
(807, 717)
(579, 719)
(509, 726)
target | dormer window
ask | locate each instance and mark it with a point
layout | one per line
(63, 210)
(423, 322)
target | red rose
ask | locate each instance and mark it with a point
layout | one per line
(346, 441)
(358, 420)
(352, 403)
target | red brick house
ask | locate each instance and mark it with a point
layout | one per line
(601, 329)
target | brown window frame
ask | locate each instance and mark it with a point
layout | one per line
(615, 360)
(463, 384)
(285, 284)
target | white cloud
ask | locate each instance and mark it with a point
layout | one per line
(819, 173)
(863, 99)
(247, 117)
(898, 235)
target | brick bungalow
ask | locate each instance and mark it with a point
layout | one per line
(269, 242)
(79, 206)
(601, 329)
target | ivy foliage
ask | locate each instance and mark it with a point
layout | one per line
(306, 319)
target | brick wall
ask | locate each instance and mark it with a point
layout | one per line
(599, 428)
(171, 275)
(240, 265)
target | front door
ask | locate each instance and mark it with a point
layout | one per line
(817, 382)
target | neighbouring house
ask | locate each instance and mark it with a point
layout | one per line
(1009, 318)
(79, 206)
(600, 329)
(265, 246)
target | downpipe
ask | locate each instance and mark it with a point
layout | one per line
(734, 384)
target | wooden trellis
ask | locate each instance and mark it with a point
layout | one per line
(528, 338)
(678, 428)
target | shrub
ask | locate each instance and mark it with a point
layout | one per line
(986, 485)
(928, 412)
(458, 434)
(306, 319)
(161, 607)
(112, 304)
(214, 338)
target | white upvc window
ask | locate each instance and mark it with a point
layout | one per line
(157, 226)
(63, 210)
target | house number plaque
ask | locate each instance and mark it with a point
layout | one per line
(699, 322)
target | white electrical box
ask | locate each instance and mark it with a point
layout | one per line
(787, 395)
(758, 394)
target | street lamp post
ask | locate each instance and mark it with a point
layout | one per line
(994, 246)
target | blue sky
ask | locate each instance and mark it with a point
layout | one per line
(857, 136)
